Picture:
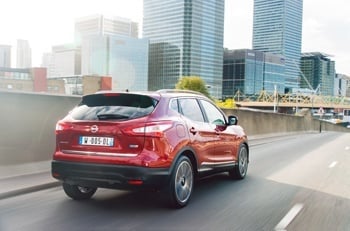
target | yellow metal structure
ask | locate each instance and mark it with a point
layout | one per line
(265, 99)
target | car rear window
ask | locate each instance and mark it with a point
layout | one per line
(113, 107)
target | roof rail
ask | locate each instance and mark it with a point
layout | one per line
(178, 91)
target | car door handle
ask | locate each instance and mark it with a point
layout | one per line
(193, 130)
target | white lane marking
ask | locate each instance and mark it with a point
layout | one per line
(288, 218)
(334, 163)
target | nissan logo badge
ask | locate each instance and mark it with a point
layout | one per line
(94, 129)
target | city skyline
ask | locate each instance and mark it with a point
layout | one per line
(325, 25)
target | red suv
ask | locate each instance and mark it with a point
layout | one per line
(160, 140)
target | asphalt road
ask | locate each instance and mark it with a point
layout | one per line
(294, 183)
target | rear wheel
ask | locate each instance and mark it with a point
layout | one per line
(240, 170)
(181, 183)
(77, 192)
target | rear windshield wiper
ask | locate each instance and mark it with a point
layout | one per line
(111, 116)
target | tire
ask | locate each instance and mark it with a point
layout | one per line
(181, 183)
(240, 170)
(77, 192)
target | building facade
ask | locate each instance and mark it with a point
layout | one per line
(342, 85)
(249, 72)
(110, 47)
(123, 58)
(5, 56)
(79, 84)
(277, 29)
(318, 73)
(64, 60)
(23, 79)
(274, 73)
(24, 54)
(242, 72)
(186, 39)
(104, 26)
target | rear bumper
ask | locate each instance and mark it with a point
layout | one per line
(110, 176)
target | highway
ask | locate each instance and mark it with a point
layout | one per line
(296, 183)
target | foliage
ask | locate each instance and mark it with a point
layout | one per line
(193, 83)
(229, 103)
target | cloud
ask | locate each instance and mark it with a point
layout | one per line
(238, 24)
(326, 28)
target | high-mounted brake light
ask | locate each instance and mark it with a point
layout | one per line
(111, 94)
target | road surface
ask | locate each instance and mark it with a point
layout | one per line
(293, 183)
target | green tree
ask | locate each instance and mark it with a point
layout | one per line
(193, 83)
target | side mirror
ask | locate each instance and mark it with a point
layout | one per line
(232, 120)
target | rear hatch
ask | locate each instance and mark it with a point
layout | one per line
(102, 124)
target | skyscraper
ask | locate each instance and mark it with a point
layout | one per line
(65, 60)
(24, 54)
(186, 39)
(123, 58)
(5, 56)
(277, 28)
(104, 26)
(110, 47)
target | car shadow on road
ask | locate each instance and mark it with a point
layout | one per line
(128, 201)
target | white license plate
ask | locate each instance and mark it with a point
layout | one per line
(96, 141)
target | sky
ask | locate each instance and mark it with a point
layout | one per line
(326, 24)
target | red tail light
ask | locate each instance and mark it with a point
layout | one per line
(135, 182)
(154, 129)
(61, 126)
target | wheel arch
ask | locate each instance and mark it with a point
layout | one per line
(190, 154)
(247, 147)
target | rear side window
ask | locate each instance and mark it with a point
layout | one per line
(113, 107)
(190, 108)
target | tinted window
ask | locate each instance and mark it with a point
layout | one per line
(190, 108)
(113, 107)
(213, 114)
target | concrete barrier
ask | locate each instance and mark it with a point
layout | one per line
(265, 123)
(27, 124)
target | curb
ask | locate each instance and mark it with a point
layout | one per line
(34, 188)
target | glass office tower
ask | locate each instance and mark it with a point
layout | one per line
(123, 58)
(319, 72)
(243, 71)
(277, 28)
(250, 72)
(186, 39)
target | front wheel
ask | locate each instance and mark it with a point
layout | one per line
(240, 170)
(77, 192)
(181, 183)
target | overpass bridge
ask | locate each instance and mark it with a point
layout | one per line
(284, 102)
